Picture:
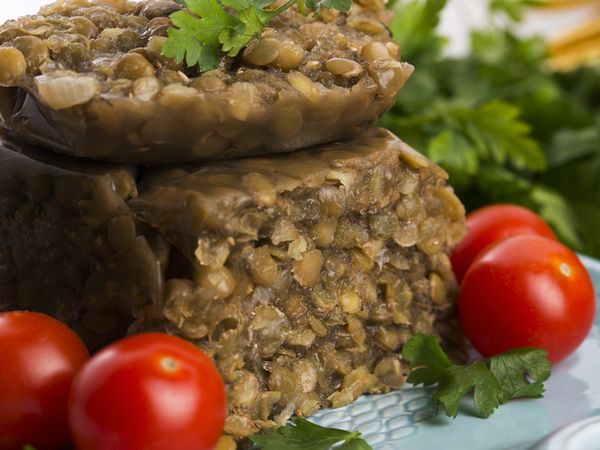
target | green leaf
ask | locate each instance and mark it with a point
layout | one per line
(456, 154)
(238, 5)
(514, 8)
(211, 27)
(196, 38)
(569, 145)
(202, 8)
(462, 138)
(588, 221)
(507, 377)
(556, 210)
(178, 44)
(414, 27)
(182, 46)
(253, 21)
(427, 359)
(300, 434)
(504, 126)
(457, 381)
(235, 39)
(340, 5)
(515, 368)
(504, 136)
(497, 184)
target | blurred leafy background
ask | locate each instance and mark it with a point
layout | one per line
(505, 126)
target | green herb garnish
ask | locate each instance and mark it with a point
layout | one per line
(209, 28)
(512, 374)
(300, 434)
(504, 125)
(340, 5)
(515, 9)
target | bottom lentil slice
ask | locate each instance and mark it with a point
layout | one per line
(69, 245)
(301, 275)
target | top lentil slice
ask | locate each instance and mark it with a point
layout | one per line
(93, 83)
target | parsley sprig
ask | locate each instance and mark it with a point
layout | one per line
(209, 28)
(512, 374)
(505, 126)
(300, 434)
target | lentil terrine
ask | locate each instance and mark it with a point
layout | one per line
(87, 78)
(301, 274)
(69, 244)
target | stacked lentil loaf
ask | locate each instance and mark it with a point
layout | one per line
(301, 274)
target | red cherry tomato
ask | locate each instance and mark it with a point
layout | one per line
(147, 392)
(527, 291)
(491, 224)
(39, 359)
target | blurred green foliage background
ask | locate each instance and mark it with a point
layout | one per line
(500, 121)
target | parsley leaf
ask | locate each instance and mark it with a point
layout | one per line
(512, 368)
(498, 134)
(505, 127)
(514, 8)
(457, 381)
(208, 27)
(498, 184)
(427, 359)
(413, 27)
(503, 377)
(582, 143)
(465, 136)
(340, 5)
(211, 27)
(300, 434)
(196, 39)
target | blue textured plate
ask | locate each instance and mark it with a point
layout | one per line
(406, 419)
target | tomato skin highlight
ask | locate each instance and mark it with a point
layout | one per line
(40, 357)
(527, 291)
(491, 224)
(148, 392)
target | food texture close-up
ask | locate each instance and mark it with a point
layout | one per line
(299, 225)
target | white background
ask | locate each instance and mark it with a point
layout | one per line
(459, 17)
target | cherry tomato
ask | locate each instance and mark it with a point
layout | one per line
(527, 291)
(491, 224)
(40, 357)
(148, 392)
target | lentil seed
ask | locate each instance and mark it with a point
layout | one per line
(263, 52)
(13, 65)
(133, 66)
(344, 67)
